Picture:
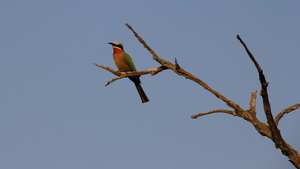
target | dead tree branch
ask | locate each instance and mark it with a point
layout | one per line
(286, 111)
(264, 93)
(271, 131)
(276, 135)
(213, 111)
(121, 75)
(252, 107)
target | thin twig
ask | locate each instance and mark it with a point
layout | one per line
(115, 72)
(114, 79)
(213, 111)
(286, 111)
(252, 107)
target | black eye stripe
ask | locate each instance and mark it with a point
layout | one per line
(120, 46)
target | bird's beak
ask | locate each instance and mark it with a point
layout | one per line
(111, 43)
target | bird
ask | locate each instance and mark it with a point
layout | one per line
(124, 63)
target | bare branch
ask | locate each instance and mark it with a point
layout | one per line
(213, 111)
(252, 108)
(249, 53)
(276, 136)
(121, 75)
(114, 79)
(286, 111)
(264, 93)
(115, 72)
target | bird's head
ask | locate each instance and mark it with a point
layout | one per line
(116, 45)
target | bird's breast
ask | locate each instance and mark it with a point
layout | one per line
(120, 63)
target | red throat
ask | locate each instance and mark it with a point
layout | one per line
(116, 50)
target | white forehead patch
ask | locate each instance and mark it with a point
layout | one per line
(117, 43)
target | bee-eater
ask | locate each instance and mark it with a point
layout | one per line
(124, 63)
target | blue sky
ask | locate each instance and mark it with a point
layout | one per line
(56, 113)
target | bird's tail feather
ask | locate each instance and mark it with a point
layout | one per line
(141, 92)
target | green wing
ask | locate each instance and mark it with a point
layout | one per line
(129, 62)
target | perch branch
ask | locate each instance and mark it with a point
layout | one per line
(121, 75)
(286, 111)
